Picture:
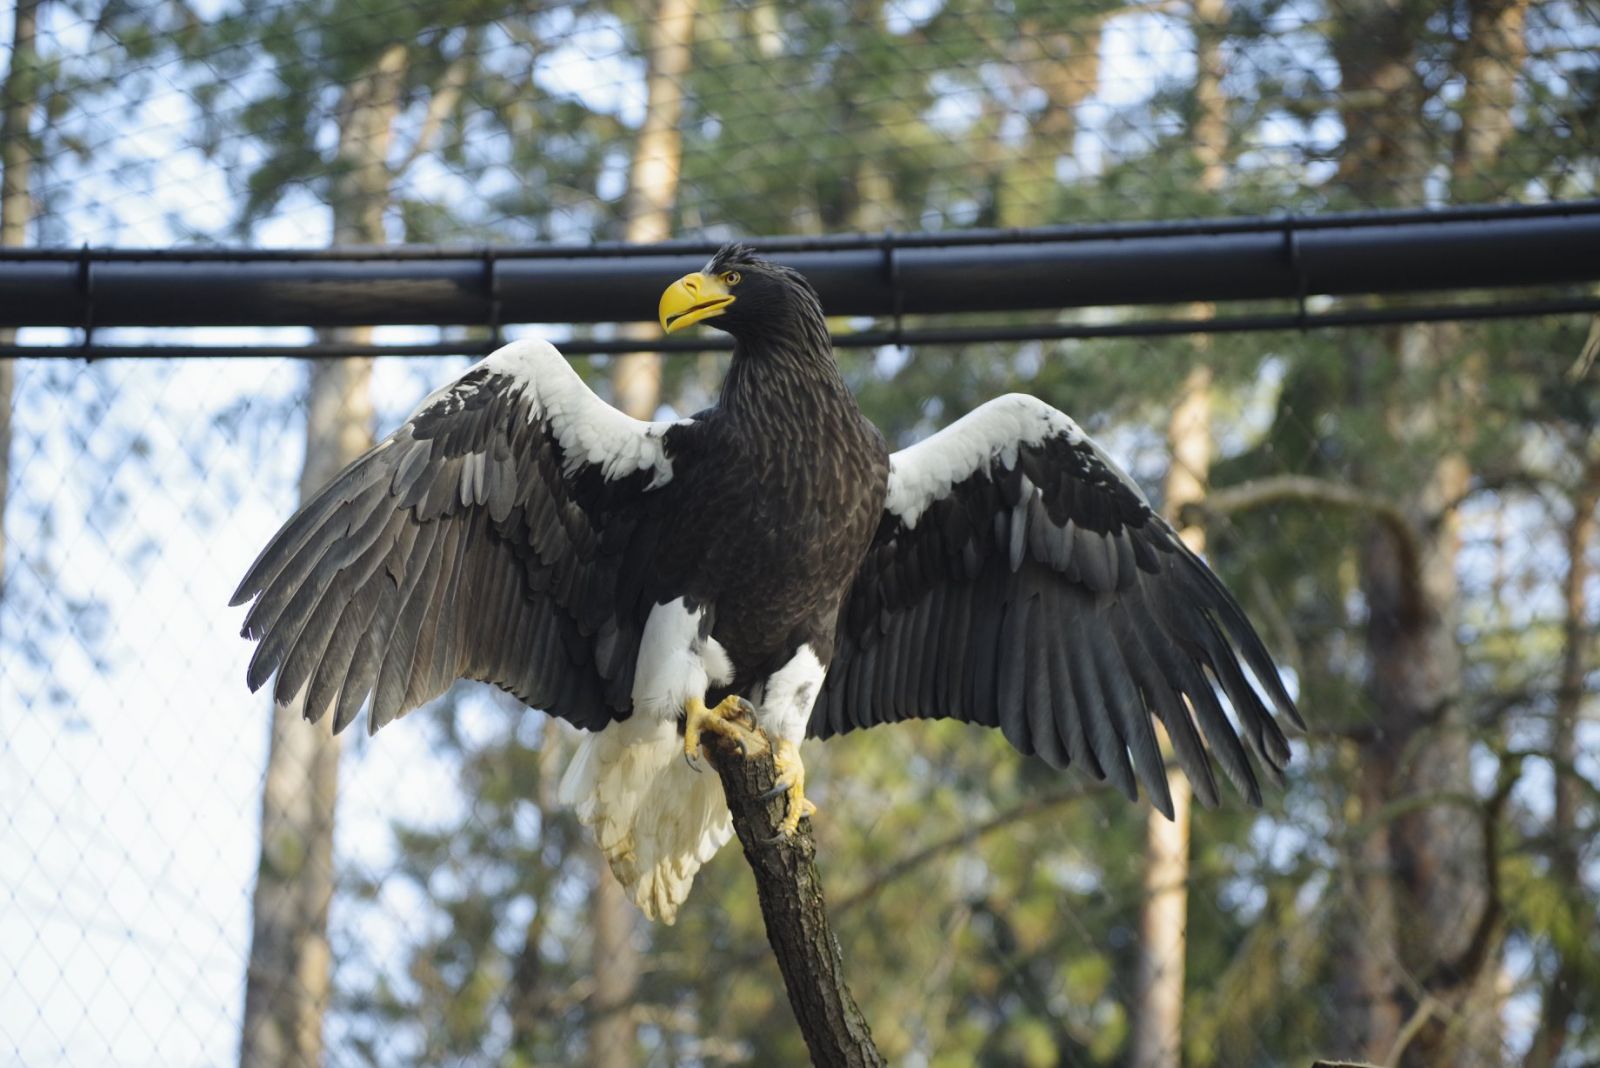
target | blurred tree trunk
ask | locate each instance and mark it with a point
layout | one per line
(869, 200)
(1066, 68)
(529, 995)
(1490, 60)
(1423, 916)
(1163, 915)
(287, 988)
(636, 382)
(1417, 762)
(1565, 833)
(1413, 659)
(1164, 912)
(19, 97)
(653, 182)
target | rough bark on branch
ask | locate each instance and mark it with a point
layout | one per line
(790, 892)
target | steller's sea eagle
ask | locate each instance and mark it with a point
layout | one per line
(648, 581)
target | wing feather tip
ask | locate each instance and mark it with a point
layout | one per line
(343, 717)
(1161, 798)
(1291, 712)
(260, 670)
(1252, 794)
(1126, 784)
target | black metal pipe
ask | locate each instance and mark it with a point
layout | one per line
(843, 242)
(1223, 260)
(961, 335)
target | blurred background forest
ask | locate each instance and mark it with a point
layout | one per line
(1408, 512)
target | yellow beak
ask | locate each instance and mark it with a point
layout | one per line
(692, 298)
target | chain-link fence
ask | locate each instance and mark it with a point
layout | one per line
(1407, 513)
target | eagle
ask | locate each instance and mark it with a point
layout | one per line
(767, 559)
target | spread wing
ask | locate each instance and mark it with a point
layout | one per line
(1020, 580)
(507, 532)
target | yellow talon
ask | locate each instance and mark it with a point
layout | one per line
(792, 783)
(733, 718)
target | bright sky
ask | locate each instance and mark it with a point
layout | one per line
(131, 804)
(130, 789)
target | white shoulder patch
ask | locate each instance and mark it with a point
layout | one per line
(927, 471)
(590, 431)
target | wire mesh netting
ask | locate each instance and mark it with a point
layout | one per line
(159, 123)
(1406, 512)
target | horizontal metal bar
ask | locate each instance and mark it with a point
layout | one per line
(1257, 323)
(1270, 259)
(1128, 230)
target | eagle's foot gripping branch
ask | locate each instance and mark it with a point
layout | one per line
(792, 783)
(734, 718)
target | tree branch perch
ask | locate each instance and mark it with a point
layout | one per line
(796, 918)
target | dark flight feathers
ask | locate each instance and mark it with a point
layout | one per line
(518, 530)
(470, 544)
(1034, 590)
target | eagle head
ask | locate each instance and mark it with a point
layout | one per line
(741, 293)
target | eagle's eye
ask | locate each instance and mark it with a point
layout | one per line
(730, 278)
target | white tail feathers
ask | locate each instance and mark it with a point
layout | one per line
(655, 818)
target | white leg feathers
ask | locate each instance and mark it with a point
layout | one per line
(655, 818)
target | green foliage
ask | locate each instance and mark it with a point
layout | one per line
(1016, 946)
(1012, 945)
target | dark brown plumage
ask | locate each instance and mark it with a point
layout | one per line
(623, 575)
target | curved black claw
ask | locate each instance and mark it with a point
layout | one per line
(781, 836)
(778, 788)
